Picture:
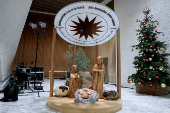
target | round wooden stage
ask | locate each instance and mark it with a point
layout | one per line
(67, 105)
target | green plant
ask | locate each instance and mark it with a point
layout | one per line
(82, 61)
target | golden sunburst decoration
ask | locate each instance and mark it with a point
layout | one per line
(86, 28)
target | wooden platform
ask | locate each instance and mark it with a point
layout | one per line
(67, 105)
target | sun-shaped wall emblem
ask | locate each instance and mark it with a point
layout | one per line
(86, 28)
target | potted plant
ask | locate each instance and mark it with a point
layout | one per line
(151, 75)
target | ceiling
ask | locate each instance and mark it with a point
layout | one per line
(53, 6)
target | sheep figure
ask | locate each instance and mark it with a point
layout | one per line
(110, 95)
(61, 91)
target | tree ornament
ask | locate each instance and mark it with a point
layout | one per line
(142, 85)
(161, 49)
(137, 70)
(150, 50)
(146, 59)
(141, 65)
(128, 82)
(139, 83)
(155, 30)
(160, 68)
(146, 49)
(151, 67)
(156, 36)
(149, 78)
(150, 85)
(157, 76)
(155, 26)
(151, 31)
(165, 48)
(158, 47)
(151, 46)
(150, 59)
(144, 74)
(137, 20)
(144, 35)
(158, 23)
(145, 22)
(149, 37)
(164, 51)
(132, 49)
(152, 55)
(160, 59)
(133, 83)
(163, 85)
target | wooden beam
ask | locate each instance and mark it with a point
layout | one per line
(118, 64)
(52, 62)
(74, 54)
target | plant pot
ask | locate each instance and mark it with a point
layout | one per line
(155, 90)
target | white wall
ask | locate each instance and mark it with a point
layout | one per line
(0, 70)
(130, 10)
(13, 14)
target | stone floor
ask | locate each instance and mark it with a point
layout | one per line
(132, 102)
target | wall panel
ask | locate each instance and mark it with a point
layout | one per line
(108, 50)
(27, 47)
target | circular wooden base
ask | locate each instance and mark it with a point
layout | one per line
(67, 105)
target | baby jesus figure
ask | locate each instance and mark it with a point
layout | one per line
(85, 94)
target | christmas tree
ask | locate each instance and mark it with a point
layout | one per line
(151, 64)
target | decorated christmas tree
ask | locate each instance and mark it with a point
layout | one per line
(151, 64)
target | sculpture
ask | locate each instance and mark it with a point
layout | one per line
(74, 82)
(61, 91)
(110, 95)
(98, 77)
(85, 94)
